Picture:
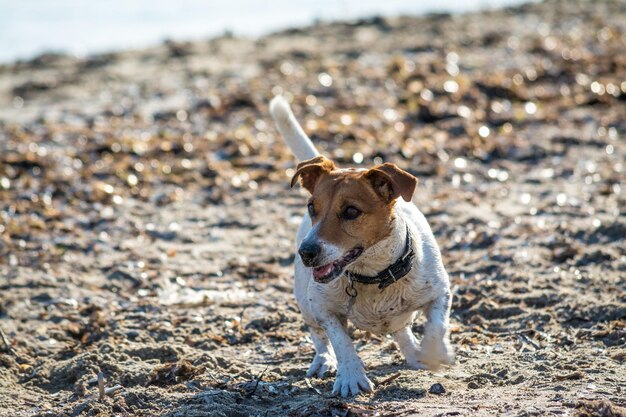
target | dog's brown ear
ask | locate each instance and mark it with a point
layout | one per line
(311, 170)
(390, 182)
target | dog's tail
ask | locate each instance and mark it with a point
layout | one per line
(291, 130)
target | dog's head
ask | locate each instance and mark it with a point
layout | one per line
(350, 210)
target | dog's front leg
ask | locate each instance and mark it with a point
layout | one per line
(409, 347)
(351, 377)
(436, 349)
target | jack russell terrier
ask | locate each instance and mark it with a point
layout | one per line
(366, 254)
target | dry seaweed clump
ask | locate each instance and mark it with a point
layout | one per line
(174, 373)
(147, 224)
(599, 408)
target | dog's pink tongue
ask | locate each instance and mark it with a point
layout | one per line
(322, 271)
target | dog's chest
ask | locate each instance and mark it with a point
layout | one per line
(379, 318)
(383, 312)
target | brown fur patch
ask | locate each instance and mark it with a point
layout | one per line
(311, 170)
(373, 192)
(391, 182)
(340, 189)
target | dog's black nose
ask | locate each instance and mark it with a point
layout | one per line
(308, 252)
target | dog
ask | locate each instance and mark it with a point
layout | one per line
(365, 254)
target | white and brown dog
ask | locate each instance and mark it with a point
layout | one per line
(366, 254)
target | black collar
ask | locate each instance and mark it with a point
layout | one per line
(393, 272)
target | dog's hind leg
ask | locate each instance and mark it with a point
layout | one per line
(325, 362)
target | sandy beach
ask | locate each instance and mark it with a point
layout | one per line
(147, 224)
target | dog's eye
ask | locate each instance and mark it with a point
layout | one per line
(311, 209)
(350, 213)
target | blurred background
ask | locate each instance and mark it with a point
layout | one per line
(79, 27)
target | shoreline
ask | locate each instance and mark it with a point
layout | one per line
(51, 71)
(193, 24)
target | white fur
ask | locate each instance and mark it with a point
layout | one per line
(326, 307)
(291, 130)
(330, 253)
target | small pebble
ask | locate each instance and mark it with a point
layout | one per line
(437, 389)
(132, 334)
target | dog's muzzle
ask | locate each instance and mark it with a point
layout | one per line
(309, 252)
(330, 271)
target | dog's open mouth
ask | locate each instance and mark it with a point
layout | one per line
(328, 272)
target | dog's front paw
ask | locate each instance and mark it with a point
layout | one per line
(415, 363)
(322, 365)
(435, 353)
(351, 382)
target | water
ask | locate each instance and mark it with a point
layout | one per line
(80, 27)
